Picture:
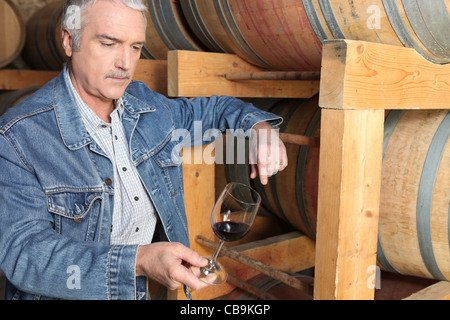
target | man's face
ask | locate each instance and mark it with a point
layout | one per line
(111, 41)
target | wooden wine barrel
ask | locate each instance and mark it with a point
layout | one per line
(420, 24)
(12, 31)
(167, 29)
(288, 35)
(232, 163)
(291, 195)
(43, 48)
(11, 98)
(414, 233)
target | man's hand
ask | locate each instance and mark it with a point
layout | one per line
(168, 263)
(267, 152)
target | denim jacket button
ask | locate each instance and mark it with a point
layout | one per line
(108, 182)
(77, 220)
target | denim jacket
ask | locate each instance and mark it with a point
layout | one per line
(57, 187)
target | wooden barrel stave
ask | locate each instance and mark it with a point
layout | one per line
(43, 48)
(167, 29)
(284, 108)
(429, 21)
(414, 211)
(12, 30)
(291, 183)
(10, 98)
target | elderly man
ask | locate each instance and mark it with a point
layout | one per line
(91, 200)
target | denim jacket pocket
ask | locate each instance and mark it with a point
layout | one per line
(76, 213)
(169, 161)
(169, 155)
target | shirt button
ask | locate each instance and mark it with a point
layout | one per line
(124, 169)
(136, 198)
(137, 229)
(108, 182)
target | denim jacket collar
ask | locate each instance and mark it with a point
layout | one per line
(71, 126)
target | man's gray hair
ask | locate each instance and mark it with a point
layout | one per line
(72, 18)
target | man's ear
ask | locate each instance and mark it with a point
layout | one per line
(67, 42)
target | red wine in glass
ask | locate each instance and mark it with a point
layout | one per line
(230, 230)
(231, 219)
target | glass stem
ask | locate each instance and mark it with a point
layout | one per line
(216, 253)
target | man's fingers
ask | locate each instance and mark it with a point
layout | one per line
(191, 257)
(189, 269)
(254, 171)
(169, 264)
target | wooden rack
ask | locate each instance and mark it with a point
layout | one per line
(359, 80)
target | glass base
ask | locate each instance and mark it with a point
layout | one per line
(213, 273)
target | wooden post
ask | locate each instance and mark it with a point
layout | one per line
(199, 194)
(349, 193)
(152, 72)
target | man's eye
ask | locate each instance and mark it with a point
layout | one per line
(107, 44)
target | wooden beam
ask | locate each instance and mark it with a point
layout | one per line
(291, 252)
(151, 72)
(19, 79)
(257, 265)
(199, 195)
(348, 205)
(202, 74)
(365, 75)
(272, 75)
(438, 291)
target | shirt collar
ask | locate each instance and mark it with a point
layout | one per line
(71, 125)
(88, 116)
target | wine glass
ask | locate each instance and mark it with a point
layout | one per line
(231, 219)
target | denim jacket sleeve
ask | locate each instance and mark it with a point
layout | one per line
(204, 117)
(42, 263)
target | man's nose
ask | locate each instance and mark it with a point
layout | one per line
(123, 59)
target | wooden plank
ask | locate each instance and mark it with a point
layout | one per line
(348, 205)
(151, 72)
(437, 291)
(19, 79)
(202, 74)
(365, 75)
(257, 265)
(273, 75)
(291, 252)
(199, 195)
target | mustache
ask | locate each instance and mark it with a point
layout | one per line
(118, 74)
